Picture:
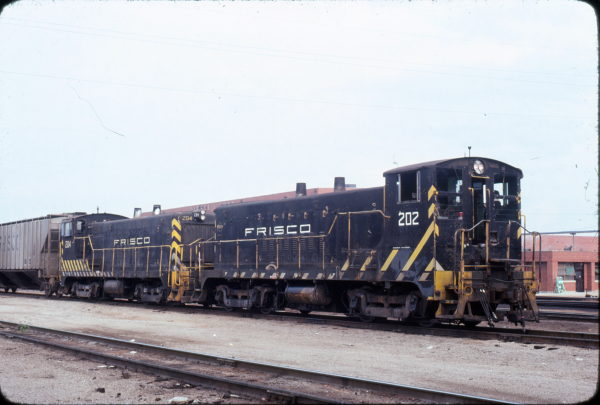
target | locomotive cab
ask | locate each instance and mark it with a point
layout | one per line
(459, 223)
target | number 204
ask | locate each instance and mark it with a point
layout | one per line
(408, 218)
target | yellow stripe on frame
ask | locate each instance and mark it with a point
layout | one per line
(366, 263)
(419, 247)
(389, 259)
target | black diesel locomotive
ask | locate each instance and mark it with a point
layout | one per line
(147, 258)
(439, 241)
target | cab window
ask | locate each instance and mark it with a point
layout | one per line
(66, 229)
(505, 190)
(409, 187)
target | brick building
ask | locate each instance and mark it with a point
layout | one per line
(572, 257)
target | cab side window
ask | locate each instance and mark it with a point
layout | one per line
(409, 187)
(66, 229)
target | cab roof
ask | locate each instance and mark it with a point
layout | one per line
(443, 162)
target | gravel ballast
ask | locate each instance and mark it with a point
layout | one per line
(502, 370)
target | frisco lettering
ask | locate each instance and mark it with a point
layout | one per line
(145, 240)
(278, 230)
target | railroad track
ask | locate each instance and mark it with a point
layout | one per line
(527, 336)
(260, 381)
(569, 317)
(568, 302)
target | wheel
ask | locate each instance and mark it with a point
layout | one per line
(14, 290)
(471, 324)
(6, 289)
(304, 312)
(366, 318)
(427, 323)
(266, 311)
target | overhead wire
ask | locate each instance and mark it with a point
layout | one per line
(291, 99)
(294, 55)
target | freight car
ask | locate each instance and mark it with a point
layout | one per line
(439, 241)
(151, 259)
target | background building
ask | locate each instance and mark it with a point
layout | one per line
(570, 256)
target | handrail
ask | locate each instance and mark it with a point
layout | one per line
(297, 238)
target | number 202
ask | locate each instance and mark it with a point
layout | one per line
(408, 218)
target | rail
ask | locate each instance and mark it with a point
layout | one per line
(323, 387)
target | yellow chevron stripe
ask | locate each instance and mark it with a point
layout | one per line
(424, 276)
(400, 276)
(519, 232)
(431, 210)
(346, 264)
(432, 191)
(176, 235)
(415, 253)
(175, 246)
(389, 259)
(175, 223)
(366, 263)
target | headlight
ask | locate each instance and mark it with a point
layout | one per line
(478, 167)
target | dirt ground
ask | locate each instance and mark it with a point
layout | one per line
(502, 370)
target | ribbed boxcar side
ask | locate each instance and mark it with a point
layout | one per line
(29, 252)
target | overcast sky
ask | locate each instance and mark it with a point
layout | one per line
(119, 105)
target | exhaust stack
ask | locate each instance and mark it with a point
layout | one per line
(339, 184)
(300, 189)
